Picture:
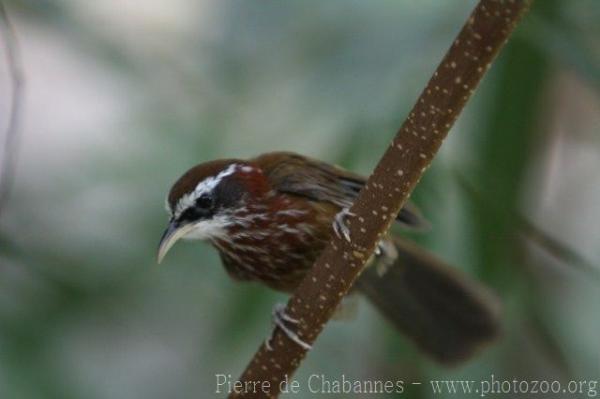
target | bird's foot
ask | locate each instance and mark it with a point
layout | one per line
(281, 319)
(386, 254)
(339, 224)
(378, 249)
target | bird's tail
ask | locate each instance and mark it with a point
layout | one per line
(445, 312)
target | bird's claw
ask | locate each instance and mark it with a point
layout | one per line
(339, 224)
(378, 249)
(280, 318)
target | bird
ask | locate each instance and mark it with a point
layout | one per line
(269, 218)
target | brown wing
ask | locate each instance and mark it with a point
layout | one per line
(298, 175)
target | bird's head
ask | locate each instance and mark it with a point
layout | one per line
(202, 203)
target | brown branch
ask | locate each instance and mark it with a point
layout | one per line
(377, 205)
(9, 156)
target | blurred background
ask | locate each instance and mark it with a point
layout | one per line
(124, 96)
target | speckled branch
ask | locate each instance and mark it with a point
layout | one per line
(390, 185)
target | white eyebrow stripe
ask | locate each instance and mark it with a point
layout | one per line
(205, 186)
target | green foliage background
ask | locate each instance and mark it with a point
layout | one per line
(86, 312)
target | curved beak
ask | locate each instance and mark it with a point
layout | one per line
(171, 235)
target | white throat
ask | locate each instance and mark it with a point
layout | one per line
(209, 229)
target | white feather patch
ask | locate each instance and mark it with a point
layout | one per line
(207, 229)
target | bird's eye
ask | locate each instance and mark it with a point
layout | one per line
(204, 202)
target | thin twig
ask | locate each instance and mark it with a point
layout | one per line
(11, 139)
(528, 230)
(377, 205)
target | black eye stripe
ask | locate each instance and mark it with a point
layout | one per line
(204, 201)
(190, 214)
(202, 209)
